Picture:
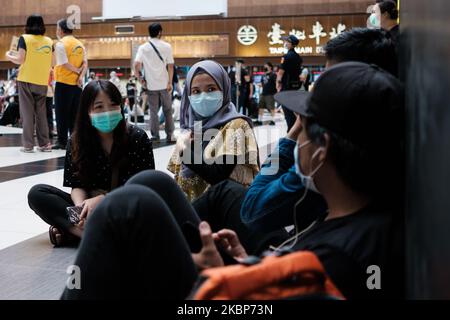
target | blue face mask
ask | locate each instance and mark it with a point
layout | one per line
(374, 21)
(106, 122)
(206, 104)
(307, 181)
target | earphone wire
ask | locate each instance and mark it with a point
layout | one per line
(298, 233)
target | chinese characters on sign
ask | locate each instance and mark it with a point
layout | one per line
(317, 32)
(276, 34)
(340, 28)
(247, 35)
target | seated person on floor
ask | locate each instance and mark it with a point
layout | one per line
(102, 154)
(268, 202)
(140, 242)
(218, 143)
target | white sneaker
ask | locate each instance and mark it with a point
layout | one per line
(27, 150)
(46, 148)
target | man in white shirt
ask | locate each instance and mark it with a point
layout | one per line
(156, 59)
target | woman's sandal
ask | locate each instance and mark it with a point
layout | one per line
(63, 240)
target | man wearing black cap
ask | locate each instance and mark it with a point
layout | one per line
(344, 153)
(288, 77)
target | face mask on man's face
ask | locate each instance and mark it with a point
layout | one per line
(307, 180)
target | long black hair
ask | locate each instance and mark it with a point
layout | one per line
(35, 25)
(86, 144)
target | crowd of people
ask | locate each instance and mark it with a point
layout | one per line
(154, 234)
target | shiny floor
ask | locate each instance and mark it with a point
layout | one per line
(26, 256)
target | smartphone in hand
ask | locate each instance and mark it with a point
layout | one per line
(74, 214)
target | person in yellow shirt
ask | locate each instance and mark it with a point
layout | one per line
(71, 66)
(34, 55)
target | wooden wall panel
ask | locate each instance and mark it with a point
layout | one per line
(227, 27)
(17, 10)
(264, 8)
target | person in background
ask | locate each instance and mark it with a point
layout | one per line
(92, 77)
(102, 154)
(232, 152)
(244, 88)
(288, 76)
(11, 112)
(114, 78)
(35, 60)
(49, 104)
(131, 92)
(385, 15)
(305, 79)
(373, 46)
(71, 66)
(232, 75)
(156, 58)
(266, 100)
(177, 92)
(246, 94)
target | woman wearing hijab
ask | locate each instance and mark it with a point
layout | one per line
(218, 143)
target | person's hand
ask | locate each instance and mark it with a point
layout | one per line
(209, 256)
(89, 205)
(296, 129)
(80, 82)
(279, 87)
(229, 242)
(169, 88)
(10, 55)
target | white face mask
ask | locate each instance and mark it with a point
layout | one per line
(307, 180)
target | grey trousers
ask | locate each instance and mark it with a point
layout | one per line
(155, 99)
(33, 111)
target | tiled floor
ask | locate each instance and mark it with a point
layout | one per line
(19, 172)
(30, 268)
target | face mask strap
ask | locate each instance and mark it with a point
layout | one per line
(319, 166)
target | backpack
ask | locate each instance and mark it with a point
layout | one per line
(298, 275)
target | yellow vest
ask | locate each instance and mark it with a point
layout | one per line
(75, 52)
(38, 60)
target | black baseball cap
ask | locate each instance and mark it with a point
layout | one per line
(292, 39)
(358, 101)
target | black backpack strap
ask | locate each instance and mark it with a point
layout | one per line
(157, 52)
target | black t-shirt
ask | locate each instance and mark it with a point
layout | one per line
(394, 33)
(269, 84)
(21, 44)
(347, 246)
(175, 75)
(232, 75)
(292, 63)
(139, 158)
(243, 74)
(131, 89)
